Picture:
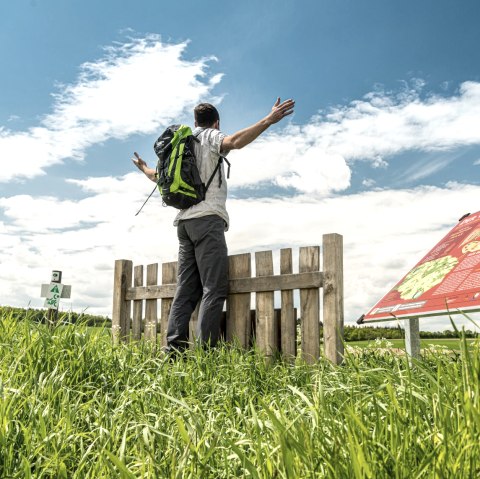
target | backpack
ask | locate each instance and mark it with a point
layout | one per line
(178, 178)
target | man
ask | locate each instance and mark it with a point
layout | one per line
(203, 256)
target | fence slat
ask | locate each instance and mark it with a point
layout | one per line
(310, 306)
(192, 326)
(276, 283)
(169, 276)
(238, 305)
(288, 327)
(158, 291)
(151, 306)
(265, 321)
(333, 297)
(137, 305)
(121, 306)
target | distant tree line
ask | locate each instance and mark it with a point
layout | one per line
(365, 333)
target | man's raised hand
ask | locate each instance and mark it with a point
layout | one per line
(138, 162)
(280, 110)
(143, 167)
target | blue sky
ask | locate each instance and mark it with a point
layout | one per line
(384, 145)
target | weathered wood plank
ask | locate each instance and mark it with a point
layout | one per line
(310, 306)
(276, 283)
(288, 327)
(237, 286)
(159, 291)
(333, 297)
(238, 326)
(265, 321)
(121, 306)
(151, 306)
(169, 276)
(192, 326)
(137, 305)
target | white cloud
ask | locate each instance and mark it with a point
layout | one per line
(289, 160)
(368, 182)
(135, 88)
(381, 124)
(379, 162)
(385, 233)
(477, 162)
(81, 238)
(423, 169)
(315, 157)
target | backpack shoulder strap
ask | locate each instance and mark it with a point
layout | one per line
(217, 168)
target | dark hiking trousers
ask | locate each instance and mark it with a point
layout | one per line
(202, 274)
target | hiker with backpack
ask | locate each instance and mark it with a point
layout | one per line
(190, 176)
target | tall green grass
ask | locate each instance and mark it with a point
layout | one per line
(74, 406)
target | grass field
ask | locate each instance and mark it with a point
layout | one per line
(448, 344)
(74, 406)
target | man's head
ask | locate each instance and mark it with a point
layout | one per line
(206, 116)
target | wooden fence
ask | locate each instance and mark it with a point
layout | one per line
(273, 329)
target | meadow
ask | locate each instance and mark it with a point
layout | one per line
(74, 406)
(434, 344)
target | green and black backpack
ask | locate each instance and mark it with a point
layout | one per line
(178, 178)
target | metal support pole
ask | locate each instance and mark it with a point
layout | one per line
(412, 337)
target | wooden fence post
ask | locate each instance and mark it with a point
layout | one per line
(192, 326)
(310, 306)
(151, 306)
(333, 297)
(288, 326)
(121, 307)
(169, 276)
(238, 305)
(265, 321)
(137, 305)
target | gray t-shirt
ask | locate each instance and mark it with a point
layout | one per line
(207, 153)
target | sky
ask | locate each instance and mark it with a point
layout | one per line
(383, 147)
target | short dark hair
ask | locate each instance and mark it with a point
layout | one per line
(205, 114)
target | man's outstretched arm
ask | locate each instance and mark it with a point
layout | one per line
(143, 167)
(247, 135)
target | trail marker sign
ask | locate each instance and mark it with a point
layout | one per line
(55, 290)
